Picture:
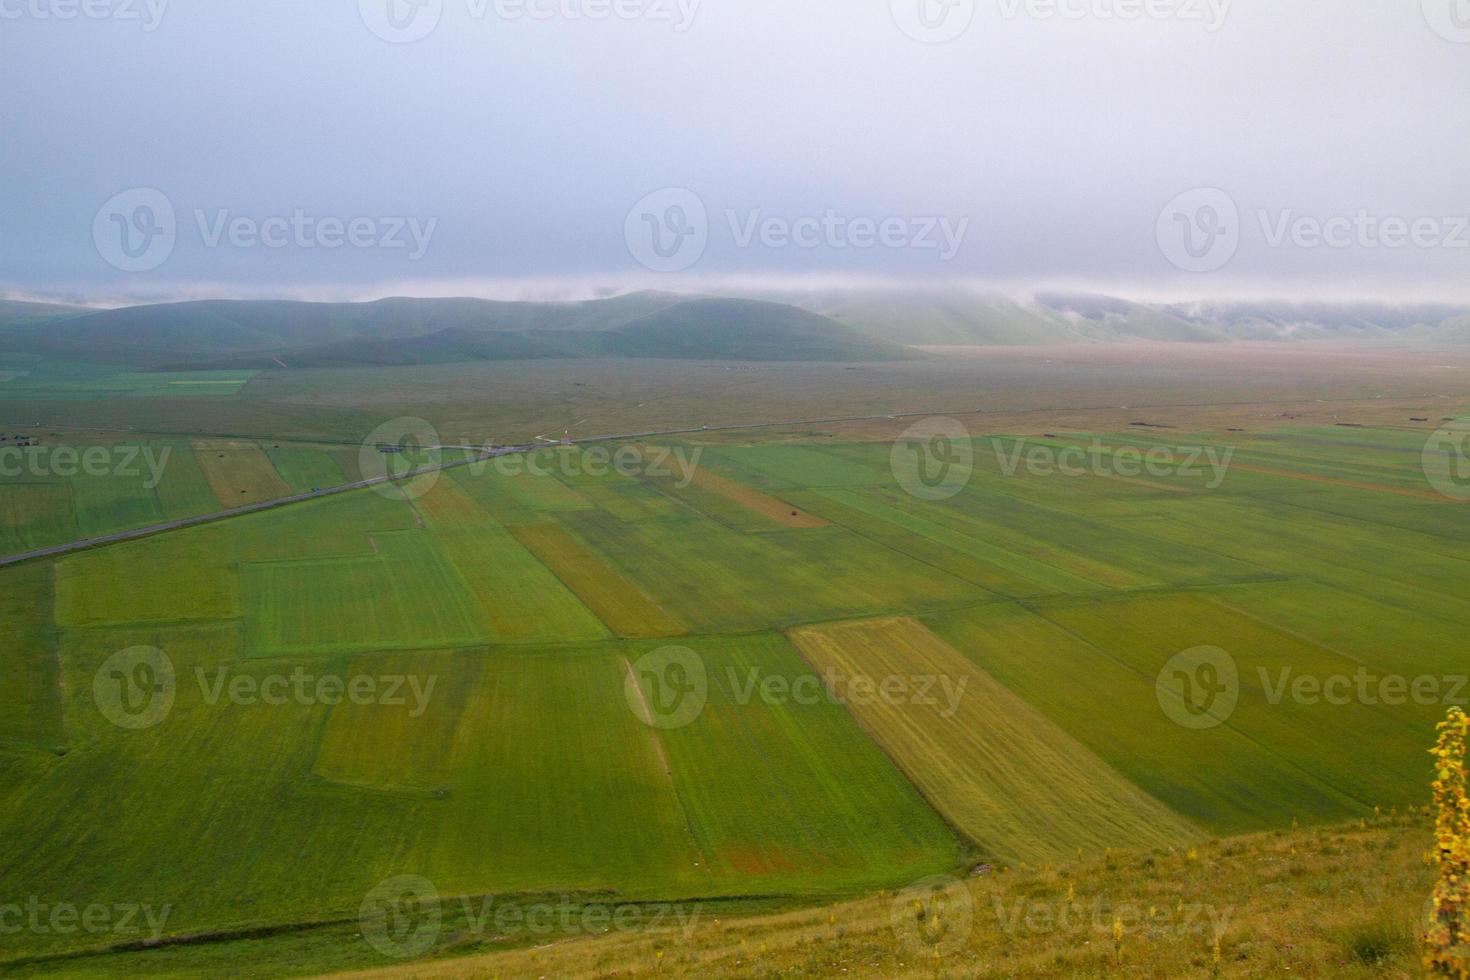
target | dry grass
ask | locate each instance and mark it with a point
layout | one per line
(1328, 903)
(239, 472)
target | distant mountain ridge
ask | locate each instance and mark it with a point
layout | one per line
(274, 334)
(840, 326)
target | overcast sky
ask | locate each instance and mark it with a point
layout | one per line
(542, 146)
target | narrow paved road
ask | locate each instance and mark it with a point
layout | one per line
(480, 455)
(220, 515)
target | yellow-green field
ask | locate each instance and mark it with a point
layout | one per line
(239, 472)
(626, 610)
(994, 766)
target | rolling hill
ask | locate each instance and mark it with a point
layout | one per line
(268, 334)
(838, 326)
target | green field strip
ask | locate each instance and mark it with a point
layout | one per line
(713, 506)
(1084, 548)
(1220, 778)
(405, 597)
(522, 499)
(349, 461)
(718, 580)
(726, 461)
(999, 770)
(1449, 537)
(445, 506)
(183, 491)
(1017, 526)
(521, 599)
(940, 555)
(1123, 558)
(625, 609)
(1340, 443)
(1387, 640)
(1011, 456)
(1336, 570)
(198, 812)
(1403, 473)
(1287, 542)
(788, 466)
(175, 384)
(114, 502)
(1364, 751)
(55, 379)
(35, 515)
(30, 676)
(400, 747)
(23, 768)
(1024, 568)
(1397, 467)
(1423, 516)
(629, 500)
(788, 790)
(1276, 471)
(306, 469)
(544, 493)
(557, 784)
(180, 576)
(335, 527)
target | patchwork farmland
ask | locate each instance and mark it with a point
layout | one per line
(59, 486)
(533, 623)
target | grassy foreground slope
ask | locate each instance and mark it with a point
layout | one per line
(1336, 902)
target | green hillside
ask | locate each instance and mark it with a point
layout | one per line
(734, 329)
(233, 335)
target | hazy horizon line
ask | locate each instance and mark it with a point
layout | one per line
(583, 288)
